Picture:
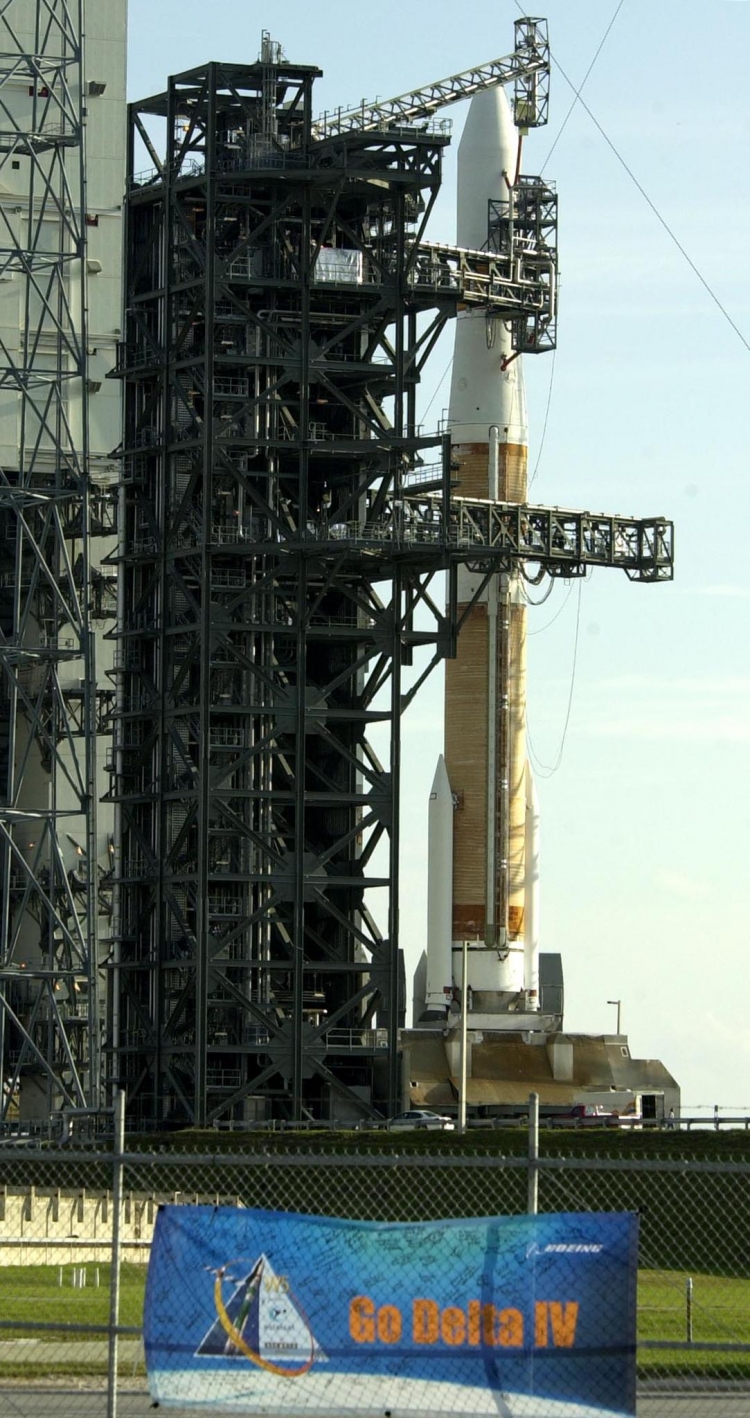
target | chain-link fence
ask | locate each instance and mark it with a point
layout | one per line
(73, 1262)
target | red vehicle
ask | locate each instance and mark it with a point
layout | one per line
(587, 1115)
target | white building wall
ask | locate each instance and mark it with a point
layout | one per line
(105, 63)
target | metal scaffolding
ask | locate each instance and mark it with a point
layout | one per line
(280, 537)
(49, 980)
(527, 68)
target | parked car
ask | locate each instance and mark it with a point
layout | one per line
(587, 1115)
(421, 1118)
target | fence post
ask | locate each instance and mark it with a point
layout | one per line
(464, 1037)
(689, 1309)
(533, 1203)
(114, 1279)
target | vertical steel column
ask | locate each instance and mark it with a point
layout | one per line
(464, 1034)
(298, 933)
(300, 767)
(394, 865)
(533, 1187)
(115, 1254)
(115, 976)
(90, 682)
(203, 938)
(160, 808)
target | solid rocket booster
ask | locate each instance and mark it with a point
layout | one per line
(485, 696)
(439, 892)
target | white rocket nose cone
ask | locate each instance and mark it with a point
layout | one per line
(483, 393)
(488, 148)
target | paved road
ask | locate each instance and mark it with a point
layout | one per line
(710, 1405)
(67, 1401)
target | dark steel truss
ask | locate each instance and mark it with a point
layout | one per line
(277, 557)
(527, 68)
(49, 997)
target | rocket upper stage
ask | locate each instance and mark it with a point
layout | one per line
(482, 394)
(487, 152)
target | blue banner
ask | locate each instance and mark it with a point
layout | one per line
(512, 1315)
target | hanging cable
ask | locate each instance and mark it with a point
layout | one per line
(542, 599)
(662, 220)
(557, 614)
(437, 389)
(532, 479)
(547, 770)
(666, 225)
(582, 85)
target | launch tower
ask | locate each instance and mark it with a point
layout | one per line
(284, 520)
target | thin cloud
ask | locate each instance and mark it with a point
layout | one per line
(686, 888)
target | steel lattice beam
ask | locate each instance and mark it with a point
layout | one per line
(49, 981)
(527, 68)
(282, 531)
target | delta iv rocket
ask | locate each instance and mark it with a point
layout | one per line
(483, 816)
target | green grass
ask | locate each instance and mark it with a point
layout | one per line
(721, 1315)
(721, 1307)
(32, 1293)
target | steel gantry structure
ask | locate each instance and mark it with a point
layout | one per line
(49, 978)
(62, 162)
(280, 535)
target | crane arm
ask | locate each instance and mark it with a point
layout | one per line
(527, 67)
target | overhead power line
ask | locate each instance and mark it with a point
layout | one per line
(547, 770)
(582, 85)
(560, 132)
(662, 220)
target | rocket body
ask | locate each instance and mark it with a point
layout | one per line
(485, 697)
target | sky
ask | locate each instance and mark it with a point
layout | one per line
(639, 696)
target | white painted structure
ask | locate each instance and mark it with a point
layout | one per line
(104, 99)
(487, 416)
(439, 990)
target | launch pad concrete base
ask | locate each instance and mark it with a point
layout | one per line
(504, 1066)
